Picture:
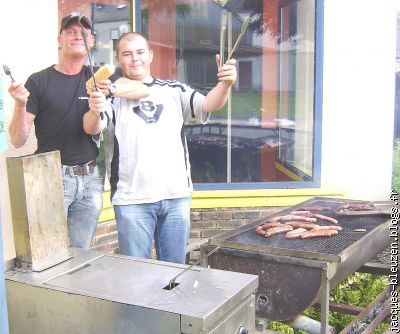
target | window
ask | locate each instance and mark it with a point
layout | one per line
(267, 135)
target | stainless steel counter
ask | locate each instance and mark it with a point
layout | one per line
(98, 293)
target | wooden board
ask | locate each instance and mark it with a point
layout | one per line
(37, 209)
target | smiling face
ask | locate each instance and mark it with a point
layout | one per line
(134, 57)
(71, 43)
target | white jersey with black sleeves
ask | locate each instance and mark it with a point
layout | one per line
(146, 151)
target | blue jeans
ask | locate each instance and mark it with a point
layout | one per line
(83, 201)
(168, 221)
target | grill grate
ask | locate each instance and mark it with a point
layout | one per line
(330, 245)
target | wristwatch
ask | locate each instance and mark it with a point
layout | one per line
(112, 88)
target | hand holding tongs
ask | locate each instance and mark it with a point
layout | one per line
(243, 29)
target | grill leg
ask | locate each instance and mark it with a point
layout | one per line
(324, 302)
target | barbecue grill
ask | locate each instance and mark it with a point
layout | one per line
(294, 274)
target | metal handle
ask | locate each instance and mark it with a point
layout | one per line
(171, 283)
(242, 330)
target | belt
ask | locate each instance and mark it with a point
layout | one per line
(79, 170)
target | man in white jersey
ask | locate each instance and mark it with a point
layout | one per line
(147, 152)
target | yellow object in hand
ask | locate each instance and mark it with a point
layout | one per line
(102, 73)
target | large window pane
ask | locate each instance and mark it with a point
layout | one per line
(266, 132)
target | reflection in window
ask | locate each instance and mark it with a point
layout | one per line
(266, 132)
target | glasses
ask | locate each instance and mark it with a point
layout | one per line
(82, 20)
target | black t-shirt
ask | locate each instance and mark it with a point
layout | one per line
(59, 102)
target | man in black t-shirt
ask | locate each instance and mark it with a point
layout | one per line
(55, 100)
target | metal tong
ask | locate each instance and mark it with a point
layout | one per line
(172, 283)
(85, 41)
(243, 29)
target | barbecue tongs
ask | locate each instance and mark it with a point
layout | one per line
(172, 283)
(224, 22)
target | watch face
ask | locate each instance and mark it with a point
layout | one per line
(112, 88)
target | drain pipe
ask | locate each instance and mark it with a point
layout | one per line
(308, 325)
(3, 300)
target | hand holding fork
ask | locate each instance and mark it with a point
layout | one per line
(17, 90)
(8, 72)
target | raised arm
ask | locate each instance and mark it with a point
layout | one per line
(21, 121)
(125, 88)
(217, 97)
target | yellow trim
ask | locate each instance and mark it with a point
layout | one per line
(287, 172)
(242, 198)
(133, 12)
(254, 198)
(107, 213)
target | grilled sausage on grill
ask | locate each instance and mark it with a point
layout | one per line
(276, 230)
(326, 218)
(317, 208)
(298, 224)
(336, 227)
(290, 217)
(315, 233)
(294, 234)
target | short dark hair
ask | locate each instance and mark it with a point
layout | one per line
(130, 36)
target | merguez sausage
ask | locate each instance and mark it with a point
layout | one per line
(276, 230)
(297, 224)
(336, 227)
(317, 208)
(294, 234)
(318, 233)
(290, 217)
(269, 225)
(326, 218)
(262, 228)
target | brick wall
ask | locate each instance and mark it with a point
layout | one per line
(205, 223)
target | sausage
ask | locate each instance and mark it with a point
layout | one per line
(336, 227)
(275, 230)
(294, 234)
(290, 217)
(326, 218)
(357, 207)
(298, 224)
(269, 225)
(318, 233)
(260, 230)
(317, 208)
(305, 213)
(296, 217)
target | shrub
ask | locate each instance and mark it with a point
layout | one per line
(358, 289)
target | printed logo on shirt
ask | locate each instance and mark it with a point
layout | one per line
(149, 112)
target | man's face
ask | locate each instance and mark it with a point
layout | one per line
(71, 42)
(134, 58)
